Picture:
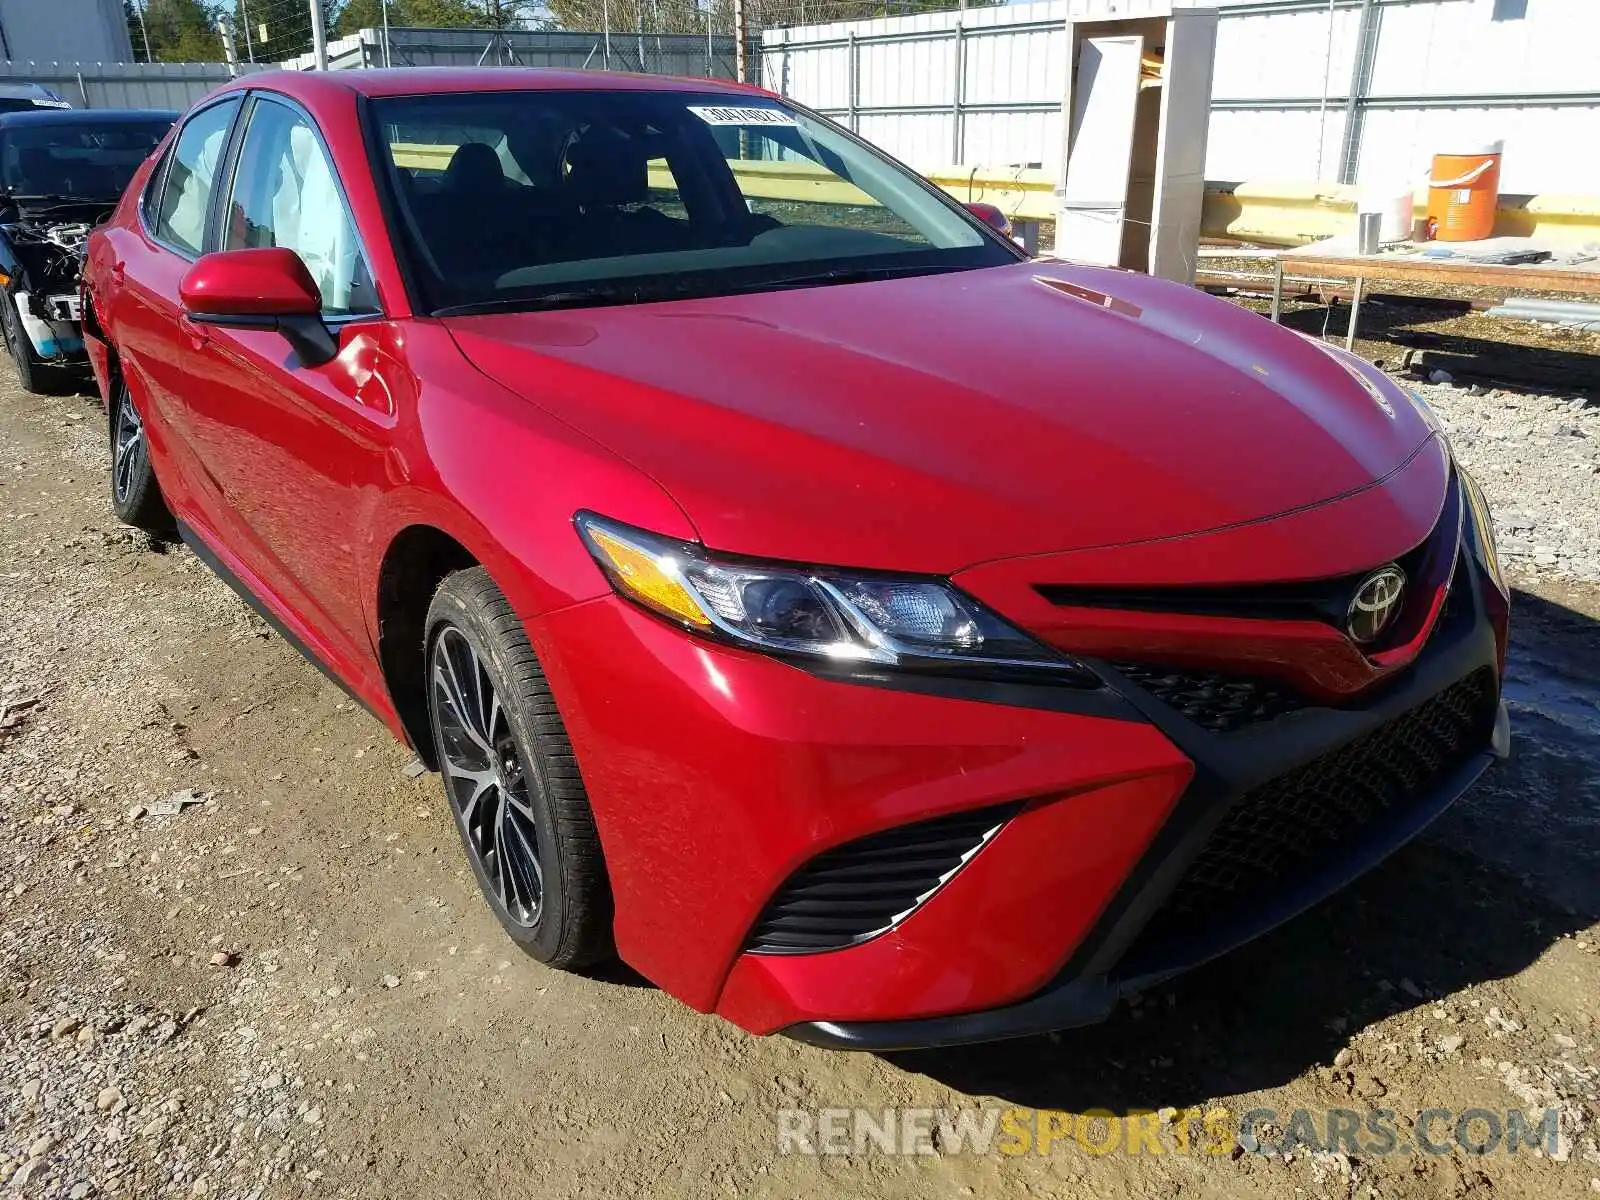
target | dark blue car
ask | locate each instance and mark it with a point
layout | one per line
(62, 172)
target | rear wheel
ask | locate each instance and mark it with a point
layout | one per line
(511, 778)
(135, 495)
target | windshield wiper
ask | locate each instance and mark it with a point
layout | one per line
(579, 297)
(600, 295)
(847, 275)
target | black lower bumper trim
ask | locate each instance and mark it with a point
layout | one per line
(1080, 1002)
(1087, 1000)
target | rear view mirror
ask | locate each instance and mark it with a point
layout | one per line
(267, 288)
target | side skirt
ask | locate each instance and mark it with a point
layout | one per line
(219, 568)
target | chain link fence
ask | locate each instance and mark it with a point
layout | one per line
(674, 37)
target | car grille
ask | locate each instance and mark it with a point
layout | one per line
(856, 891)
(1220, 703)
(1313, 811)
(1227, 703)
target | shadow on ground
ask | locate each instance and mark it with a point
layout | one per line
(1464, 342)
(1514, 867)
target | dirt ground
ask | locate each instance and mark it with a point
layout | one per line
(1388, 325)
(291, 987)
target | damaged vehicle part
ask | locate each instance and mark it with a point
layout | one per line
(61, 173)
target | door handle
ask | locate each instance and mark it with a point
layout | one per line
(119, 273)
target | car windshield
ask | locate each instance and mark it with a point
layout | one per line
(77, 161)
(551, 198)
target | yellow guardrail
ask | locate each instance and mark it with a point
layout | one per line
(1271, 213)
(1021, 195)
(1292, 214)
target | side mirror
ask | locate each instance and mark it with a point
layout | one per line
(267, 288)
(991, 216)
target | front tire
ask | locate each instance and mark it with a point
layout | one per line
(511, 779)
(33, 373)
(135, 495)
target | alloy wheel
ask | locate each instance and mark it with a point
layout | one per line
(485, 776)
(128, 453)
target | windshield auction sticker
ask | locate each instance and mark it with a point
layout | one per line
(742, 116)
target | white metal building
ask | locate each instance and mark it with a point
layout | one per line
(1343, 91)
(93, 31)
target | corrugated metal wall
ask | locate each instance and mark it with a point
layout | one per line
(123, 85)
(1428, 75)
(897, 81)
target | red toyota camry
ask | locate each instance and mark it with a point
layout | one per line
(863, 631)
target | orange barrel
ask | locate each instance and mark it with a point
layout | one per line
(1463, 193)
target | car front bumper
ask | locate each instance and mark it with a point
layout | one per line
(717, 774)
(54, 326)
(1075, 999)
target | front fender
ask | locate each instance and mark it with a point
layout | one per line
(503, 478)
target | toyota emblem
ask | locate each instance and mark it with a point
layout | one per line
(1375, 604)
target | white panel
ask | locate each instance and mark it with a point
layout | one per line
(1026, 66)
(1539, 153)
(921, 140)
(1012, 139)
(1284, 54)
(818, 77)
(1105, 91)
(1270, 144)
(913, 72)
(1180, 161)
(1449, 47)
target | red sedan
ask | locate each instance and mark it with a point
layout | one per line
(864, 632)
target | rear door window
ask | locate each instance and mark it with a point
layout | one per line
(190, 177)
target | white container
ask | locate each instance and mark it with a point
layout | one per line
(1395, 205)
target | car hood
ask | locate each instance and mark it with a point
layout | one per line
(934, 422)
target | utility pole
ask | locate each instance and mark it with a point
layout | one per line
(741, 43)
(229, 51)
(388, 58)
(249, 45)
(605, 21)
(319, 36)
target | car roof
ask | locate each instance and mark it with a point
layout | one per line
(28, 91)
(423, 81)
(87, 116)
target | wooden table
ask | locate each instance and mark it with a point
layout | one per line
(1417, 269)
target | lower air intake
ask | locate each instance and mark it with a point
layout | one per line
(1219, 703)
(1311, 813)
(853, 892)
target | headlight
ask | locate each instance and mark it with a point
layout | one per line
(841, 616)
(1483, 525)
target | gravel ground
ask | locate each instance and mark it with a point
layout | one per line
(1538, 460)
(241, 954)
